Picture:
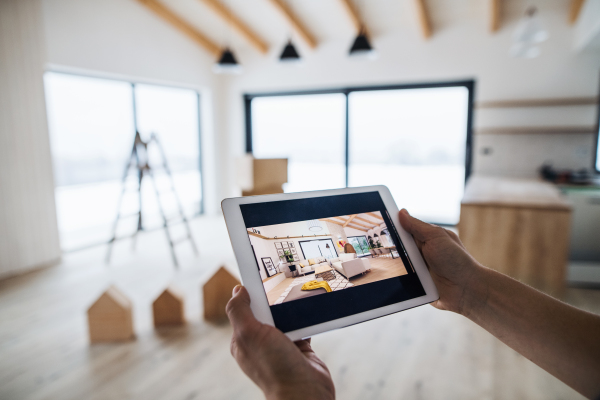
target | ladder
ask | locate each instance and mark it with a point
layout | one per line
(139, 163)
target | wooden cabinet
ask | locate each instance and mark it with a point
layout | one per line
(261, 176)
(518, 227)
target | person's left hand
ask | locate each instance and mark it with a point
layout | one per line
(281, 368)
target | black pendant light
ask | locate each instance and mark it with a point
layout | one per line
(362, 46)
(289, 54)
(227, 64)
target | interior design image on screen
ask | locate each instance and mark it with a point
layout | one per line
(315, 257)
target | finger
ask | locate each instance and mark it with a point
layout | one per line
(238, 309)
(304, 345)
(420, 230)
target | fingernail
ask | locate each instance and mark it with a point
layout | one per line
(405, 211)
(236, 289)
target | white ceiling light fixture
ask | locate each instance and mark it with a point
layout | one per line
(527, 35)
(314, 225)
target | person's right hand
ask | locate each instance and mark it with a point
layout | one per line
(281, 368)
(452, 268)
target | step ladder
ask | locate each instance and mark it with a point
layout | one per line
(139, 164)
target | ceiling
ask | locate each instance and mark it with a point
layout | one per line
(362, 222)
(328, 20)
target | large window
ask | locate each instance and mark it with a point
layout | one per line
(309, 131)
(415, 139)
(318, 248)
(360, 244)
(92, 126)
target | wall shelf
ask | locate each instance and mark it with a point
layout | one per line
(556, 102)
(526, 130)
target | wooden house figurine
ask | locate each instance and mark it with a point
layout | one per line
(168, 309)
(217, 292)
(110, 318)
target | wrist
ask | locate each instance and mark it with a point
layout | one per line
(298, 393)
(304, 391)
(475, 292)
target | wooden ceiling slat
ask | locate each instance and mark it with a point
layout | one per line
(353, 13)
(424, 18)
(331, 221)
(349, 220)
(374, 215)
(363, 225)
(367, 221)
(184, 27)
(295, 22)
(229, 17)
(495, 15)
(575, 10)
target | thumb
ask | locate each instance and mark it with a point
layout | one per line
(422, 231)
(238, 309)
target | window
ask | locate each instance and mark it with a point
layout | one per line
(92, 125)
(415, 139)
(360, 244)
(318, 248)
(307, 130)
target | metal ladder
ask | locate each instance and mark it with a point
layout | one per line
(139, 161)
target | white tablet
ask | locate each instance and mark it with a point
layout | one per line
(317, 261)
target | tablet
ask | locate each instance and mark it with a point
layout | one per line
(323, 260)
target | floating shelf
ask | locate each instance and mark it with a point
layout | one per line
(526, 130)
(556, 102)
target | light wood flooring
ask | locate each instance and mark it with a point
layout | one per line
(421, 353)
(381, 268)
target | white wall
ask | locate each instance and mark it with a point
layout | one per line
(264, 248)
(459, 49)
(28, 229)
(122, 39)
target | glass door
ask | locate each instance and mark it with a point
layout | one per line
(413, 141)
(360, 244)
(308, 130)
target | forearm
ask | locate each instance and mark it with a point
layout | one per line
(561, 339)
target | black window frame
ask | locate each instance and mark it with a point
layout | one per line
(596, 149)
(469, 84)
(317, 240)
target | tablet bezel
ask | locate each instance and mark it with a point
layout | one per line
(242, 248)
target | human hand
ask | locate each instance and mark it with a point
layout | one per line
(281, 368)
(453, 269)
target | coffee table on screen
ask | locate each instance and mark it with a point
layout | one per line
(325, 272)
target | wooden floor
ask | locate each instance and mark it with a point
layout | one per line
(421, 353)
(381, 268)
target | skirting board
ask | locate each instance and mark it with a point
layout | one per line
(17, 272)
(583, 273)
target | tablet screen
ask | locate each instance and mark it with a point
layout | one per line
(326, 258)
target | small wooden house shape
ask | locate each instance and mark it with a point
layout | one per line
(110, 318)
(217, 292)
(168, 309)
